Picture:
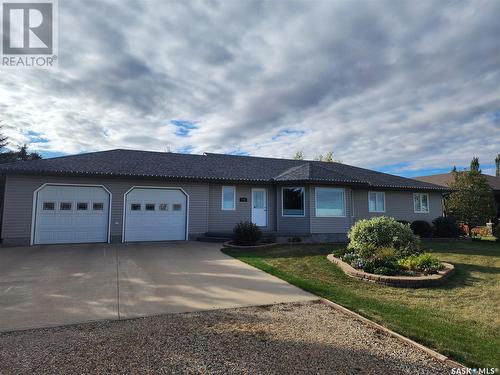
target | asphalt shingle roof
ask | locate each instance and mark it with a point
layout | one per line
(444, 179)
(145, 164)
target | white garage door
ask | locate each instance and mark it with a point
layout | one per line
(155, 215)
(71, 214)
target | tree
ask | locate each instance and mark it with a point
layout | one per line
(299, 155)
(472, 200)
(3, 139)
(474, 165)
(497, 162)
(24, 155)
(328, 158)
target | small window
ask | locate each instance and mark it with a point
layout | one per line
(49, 206)
(177, 207)
(98, 206)
(228, 197)
(376, 201)
(330, 202)
(163, 207)
(293, 201)
(82, 206)
(421, 203)
(150, 206)
(65, 206)
(135, 206)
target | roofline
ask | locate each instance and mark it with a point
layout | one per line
(218, 179)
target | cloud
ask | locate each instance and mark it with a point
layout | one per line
(399, 86)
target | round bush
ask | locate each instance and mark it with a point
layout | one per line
(421, 228)
(246, 233)
(447, 227)
(367, 235)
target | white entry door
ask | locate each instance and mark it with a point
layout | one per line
(259, 207)
(155, 214)
(71, 214)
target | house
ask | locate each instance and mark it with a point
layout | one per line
(444, 179)
(124, 195)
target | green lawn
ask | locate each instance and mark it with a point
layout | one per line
(460, 319)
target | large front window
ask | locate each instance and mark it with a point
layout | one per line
(330, 202)
(293, 201)
(421, 203)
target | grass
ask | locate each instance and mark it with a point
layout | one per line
(460, 319)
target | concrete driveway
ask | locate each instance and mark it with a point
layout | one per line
(53, 285)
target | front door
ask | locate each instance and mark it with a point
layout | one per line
(259, 207)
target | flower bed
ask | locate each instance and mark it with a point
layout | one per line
(418, 281)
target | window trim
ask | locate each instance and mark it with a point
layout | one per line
(97, 203)
(303, 198)
(428, 204)
(65, 209)
(135, 204)
(82, 209)
(316, 201)
(49, 203)
(222, 198)
(375, 211)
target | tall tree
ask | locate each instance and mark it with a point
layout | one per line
(4, 140)
(474, 165)
(299, 155)
(472, 200)
(497, 162)
(24, 155)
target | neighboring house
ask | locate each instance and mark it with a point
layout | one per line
(444, 179)
(124, 195)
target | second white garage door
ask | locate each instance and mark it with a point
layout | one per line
(155, 214)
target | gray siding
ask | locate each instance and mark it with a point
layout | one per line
(331, 224)
(398, 204)
(296, 225)
(19, 203)
(224, 220)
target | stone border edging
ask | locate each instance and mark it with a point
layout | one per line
(230, 244)
(395, 281)
(427, 350)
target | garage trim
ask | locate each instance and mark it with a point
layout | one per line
(35, 203)
(154, 187)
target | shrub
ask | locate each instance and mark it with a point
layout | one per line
(421, 228)
(481, 231)
(246, 233)
(403, 222)
(424, 263)
(496, 232)
(366, 236)
(339, 252)
(447, 227)
(387, 271)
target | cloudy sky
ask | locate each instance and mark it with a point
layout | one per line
(407, 87)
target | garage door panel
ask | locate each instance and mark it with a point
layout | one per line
(155, 215)
(58, 219)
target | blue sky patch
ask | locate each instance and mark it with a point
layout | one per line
(288, 133)
(185, 150)
(184, 127)
(36, 137)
